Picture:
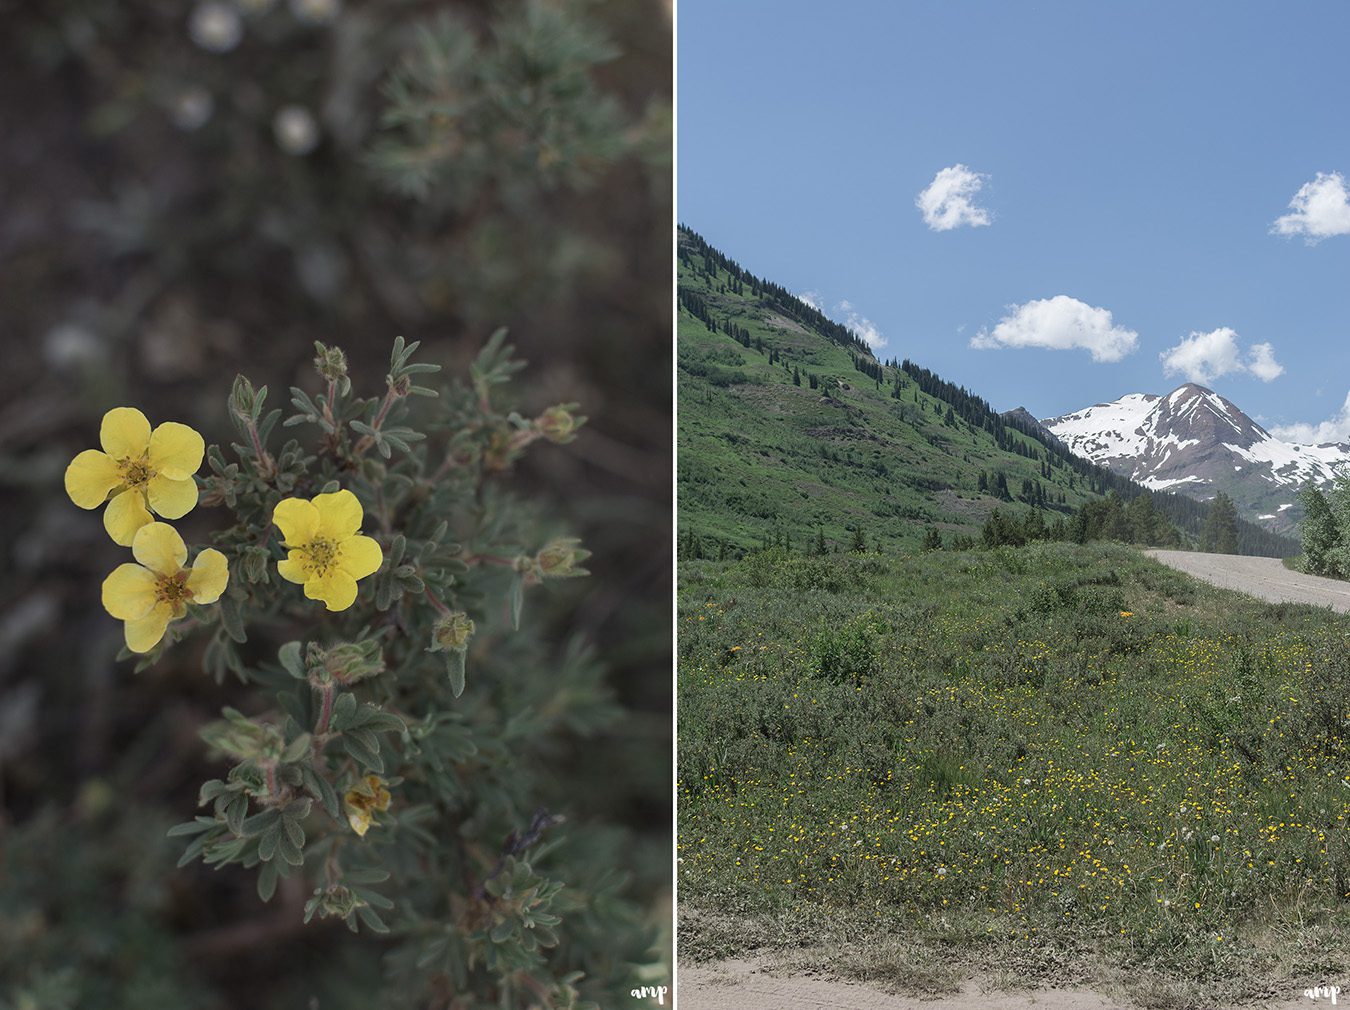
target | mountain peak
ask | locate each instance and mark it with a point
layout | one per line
(1197, 441)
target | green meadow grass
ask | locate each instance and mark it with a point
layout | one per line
(1056, 762)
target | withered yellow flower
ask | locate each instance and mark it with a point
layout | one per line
(363, 800)
(142, 470)
(326, 551)
(157, 590)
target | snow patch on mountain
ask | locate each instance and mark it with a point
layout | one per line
(1195, 441)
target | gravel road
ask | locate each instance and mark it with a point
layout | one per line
(1264, 578)
(742, 985)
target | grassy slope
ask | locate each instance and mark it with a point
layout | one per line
(764, 450)
(911, 767)
(757, 452)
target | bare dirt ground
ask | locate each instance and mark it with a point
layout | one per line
(742, 985)
(1264, 578)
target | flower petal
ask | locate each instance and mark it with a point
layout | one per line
(124, 432)
(159, 547)
(144, 633)
(129, 592)
(360, 556)
(292, 568)
(172, 499)
(337, 589)
(126, 514)
(297, 519)
(176, 450)
(90, 477)
(210, 573)
(340, 514)
(359, 820)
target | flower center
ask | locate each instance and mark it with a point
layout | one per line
(322, 555)
(173, 589)
(135, 472)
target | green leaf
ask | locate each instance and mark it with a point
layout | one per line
(517, 600)
(292, 661)
(193, 827)
(232, 619)
(372, 919)
(322, 790)
(234, 813)
(267, 881)
(343, 710)
(294, 831)
(297, 748)
(362, 754)
(267, 845)
(365, 875)
(454, 665)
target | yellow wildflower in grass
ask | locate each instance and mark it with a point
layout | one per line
(327, 553)
(156, 591)
(142, 471)
(363, 800)
(1127, 613)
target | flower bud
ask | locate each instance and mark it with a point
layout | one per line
(452, 633)
(558, 423)
(253, 562)
(559, 559)
(331, 362)
(346, 662)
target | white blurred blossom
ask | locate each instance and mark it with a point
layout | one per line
(191, 108)
(296, 130)
(316, 12)
(216, 26)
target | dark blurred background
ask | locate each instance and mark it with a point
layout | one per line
(192, 190)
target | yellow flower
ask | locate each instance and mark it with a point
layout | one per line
(1127, 613)
(327, 554)
(142, 470)
(363, 800)
(154, 592)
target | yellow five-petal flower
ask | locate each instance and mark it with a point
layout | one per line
(326, 552)
(142, 470)
(154, 592)
(363, 800)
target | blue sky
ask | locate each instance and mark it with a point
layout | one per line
(1129, 159)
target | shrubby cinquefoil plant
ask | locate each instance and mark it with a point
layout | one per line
(393, 750)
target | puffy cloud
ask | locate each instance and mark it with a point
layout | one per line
(1336, 429)
(947, 202)
(1261, 362)
(811, 298)
(863, 327)
(1321, 209)
(1061, 324)
(1204, 357)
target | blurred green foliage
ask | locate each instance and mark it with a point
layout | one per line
(199, 189)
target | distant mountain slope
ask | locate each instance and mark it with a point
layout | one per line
(1197, 442)
(791, 429)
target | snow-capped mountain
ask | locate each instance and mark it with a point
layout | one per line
(1198, 443)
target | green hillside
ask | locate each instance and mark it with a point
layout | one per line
(791, 430)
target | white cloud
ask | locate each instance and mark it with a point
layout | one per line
(947, 202)
(1204, 357)
(1060, 323)
(1261, 362)
(811, 298)
(866, 330)
(1337, 429)
(1321, 209)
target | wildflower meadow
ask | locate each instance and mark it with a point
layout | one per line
(1064, 759)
